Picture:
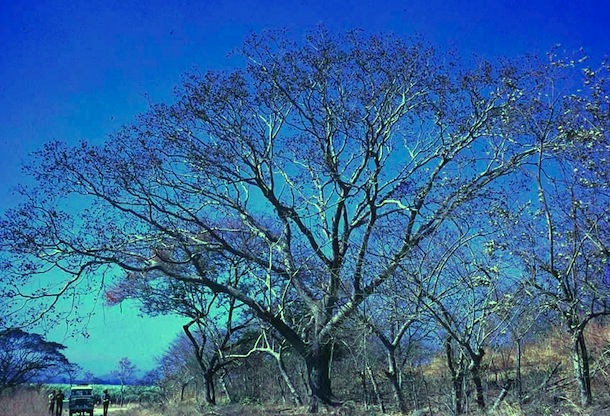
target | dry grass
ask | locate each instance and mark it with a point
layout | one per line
(182, 409)
(24, 402)
(33, 402)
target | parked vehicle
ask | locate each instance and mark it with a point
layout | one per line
(81, 400)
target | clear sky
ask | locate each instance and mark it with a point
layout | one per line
(76, 69)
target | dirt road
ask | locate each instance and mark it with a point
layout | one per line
(97, 411)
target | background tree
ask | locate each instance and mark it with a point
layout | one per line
(216, 322)
(26, 357)
(125, 372)
(461, 290)
(563, 232)
(565, 260)
(178, 369)
(523, 316)
(395, 319)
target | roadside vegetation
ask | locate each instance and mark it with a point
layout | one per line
(251, 386)
(23, 401)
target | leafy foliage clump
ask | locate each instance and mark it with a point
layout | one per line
(25, 357)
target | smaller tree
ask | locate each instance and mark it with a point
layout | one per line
(125, 372)
(463, 290)
(215, 324)
(177, 368)
(273, 345)
(393, 319)
(25, 357)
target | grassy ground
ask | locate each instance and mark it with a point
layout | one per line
(33, 402)
(534, 409)
(242, 410)
(24, 403)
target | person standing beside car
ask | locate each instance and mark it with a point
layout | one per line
(105, 402)
(52, 403)
(59, 402)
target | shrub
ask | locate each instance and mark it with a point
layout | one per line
(24, 401)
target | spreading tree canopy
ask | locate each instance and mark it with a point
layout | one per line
(25, 357)
(320, 165)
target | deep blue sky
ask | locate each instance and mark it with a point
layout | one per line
(79, 69)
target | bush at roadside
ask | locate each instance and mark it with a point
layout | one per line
(25, 401)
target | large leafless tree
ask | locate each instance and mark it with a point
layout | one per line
(322, 165)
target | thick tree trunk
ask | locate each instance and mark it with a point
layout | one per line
(457, 377)
(207, 369)
(586, 369)
(392, 375)
(476, 358)
(318, 377)
(225, 389)
(580, 361)
(475, 371)
(210, 390)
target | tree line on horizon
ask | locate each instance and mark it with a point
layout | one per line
(344, 199)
